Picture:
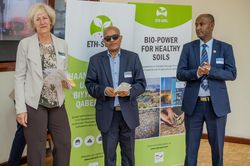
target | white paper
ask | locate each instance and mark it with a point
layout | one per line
(55, 76)
(124, 86)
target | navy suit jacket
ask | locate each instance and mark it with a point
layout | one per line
(99, 77)
(219, 73)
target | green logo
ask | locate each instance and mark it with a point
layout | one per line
(161, 11)
(99, 24)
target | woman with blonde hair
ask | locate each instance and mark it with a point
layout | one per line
(39, 100)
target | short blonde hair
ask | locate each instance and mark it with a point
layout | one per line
(41, 7)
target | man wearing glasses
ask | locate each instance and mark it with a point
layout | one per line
(116, 108)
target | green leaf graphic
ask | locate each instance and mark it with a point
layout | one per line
(99, 23)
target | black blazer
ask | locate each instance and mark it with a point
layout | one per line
(222, 69)
(99, 77)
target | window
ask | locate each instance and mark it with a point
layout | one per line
(13, 27)
(13, 21)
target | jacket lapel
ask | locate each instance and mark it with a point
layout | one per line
(106, 66)
(123, 62)
(60, 61)
(215, 52)
(196, 48)
(34, 54)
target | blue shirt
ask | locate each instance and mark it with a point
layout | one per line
(115, 67)
(209, 47)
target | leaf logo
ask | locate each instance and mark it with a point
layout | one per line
(161, 11)
(99, 23)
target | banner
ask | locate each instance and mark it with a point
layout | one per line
(160, 32)
(156, 32)
(85, 22)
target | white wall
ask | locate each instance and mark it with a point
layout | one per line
(232, 24)
(7, 114)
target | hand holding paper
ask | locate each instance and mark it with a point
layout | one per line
(68, 84)
(57, 77)
(123, 89)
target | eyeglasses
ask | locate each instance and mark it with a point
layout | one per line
(112, 37)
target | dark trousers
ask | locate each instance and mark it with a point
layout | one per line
(215, 129)
(17, 147)
(120, 133)
(56, 121)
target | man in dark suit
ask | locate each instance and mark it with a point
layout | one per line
(116, 111)
(205, 65)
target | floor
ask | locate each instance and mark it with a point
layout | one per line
(234, 155)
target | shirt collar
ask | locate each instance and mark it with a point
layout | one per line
(209, 43)
(118, 54)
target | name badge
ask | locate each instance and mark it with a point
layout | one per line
(61, 55)
(127, 74)
(220, 61)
